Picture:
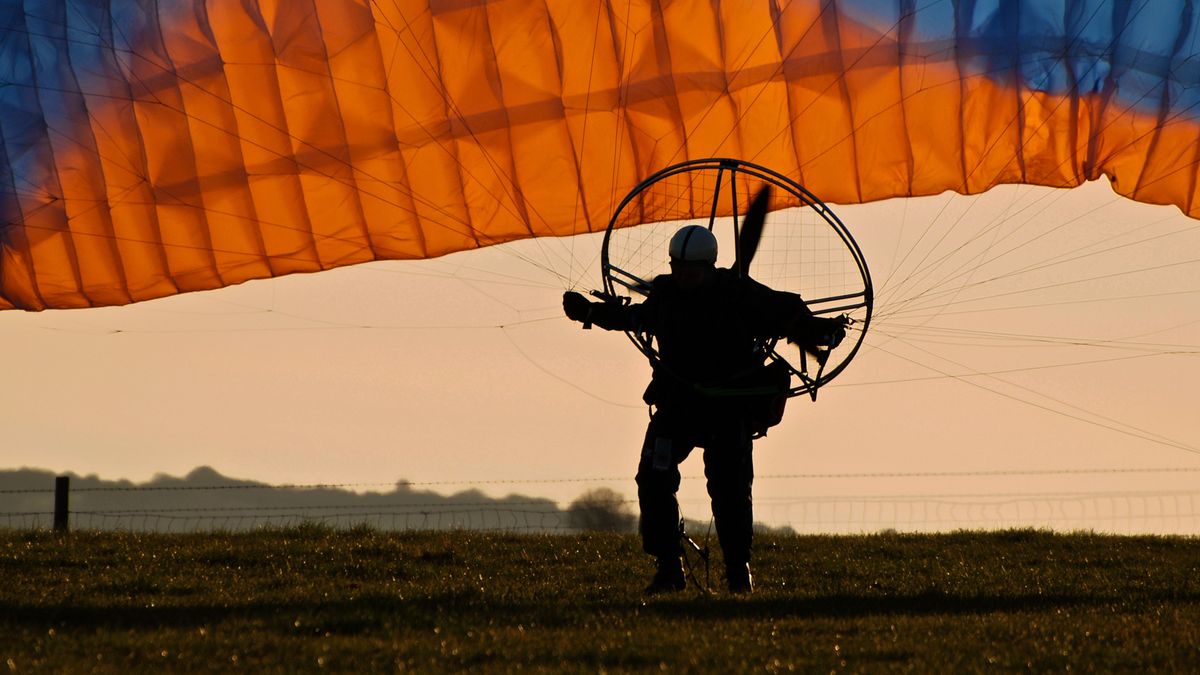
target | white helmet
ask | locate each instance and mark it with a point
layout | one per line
(694, 243)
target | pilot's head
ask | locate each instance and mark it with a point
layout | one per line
(693, 256)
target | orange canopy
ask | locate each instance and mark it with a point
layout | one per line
(151, 149)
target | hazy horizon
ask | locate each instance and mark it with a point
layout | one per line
(1064, 340)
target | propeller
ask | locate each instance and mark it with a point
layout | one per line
(751, 231)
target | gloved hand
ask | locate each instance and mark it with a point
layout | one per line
(834, 331)
(821, 332)
(576, 306)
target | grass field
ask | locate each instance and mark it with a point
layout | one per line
(360, 600)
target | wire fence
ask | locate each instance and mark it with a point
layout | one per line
(1163, 513)
(492, 519)
(234, 506)
(201, 520)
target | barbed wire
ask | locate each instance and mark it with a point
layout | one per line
(1162, 512)
(612, 479)
(503, 520)
(440, 507)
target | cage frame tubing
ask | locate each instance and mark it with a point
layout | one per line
(807, 199)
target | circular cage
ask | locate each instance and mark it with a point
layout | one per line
(803, 249)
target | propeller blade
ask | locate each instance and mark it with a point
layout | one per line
(751, 232)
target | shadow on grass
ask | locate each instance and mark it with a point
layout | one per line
(927, 603)
(351, 616)
(382, 612)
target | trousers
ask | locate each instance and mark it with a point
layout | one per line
(728, 469)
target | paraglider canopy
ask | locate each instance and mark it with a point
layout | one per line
(152, 148)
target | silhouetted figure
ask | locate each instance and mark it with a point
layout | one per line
(709, 324)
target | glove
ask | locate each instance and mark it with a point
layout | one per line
(834, 331)
(821, 332)
(576, 307)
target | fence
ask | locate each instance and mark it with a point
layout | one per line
(1176, 513)
(192, 508)
(186, 508)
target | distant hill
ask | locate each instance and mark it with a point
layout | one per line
(206, 500)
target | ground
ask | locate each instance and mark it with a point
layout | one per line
(360, 600)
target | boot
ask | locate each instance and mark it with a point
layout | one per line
(668, 578)
(737, 575)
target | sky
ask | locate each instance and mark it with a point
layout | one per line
(1035, 344)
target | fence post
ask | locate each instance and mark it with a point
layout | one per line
(62, 487)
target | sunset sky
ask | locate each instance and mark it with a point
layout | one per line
(1027, 329)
